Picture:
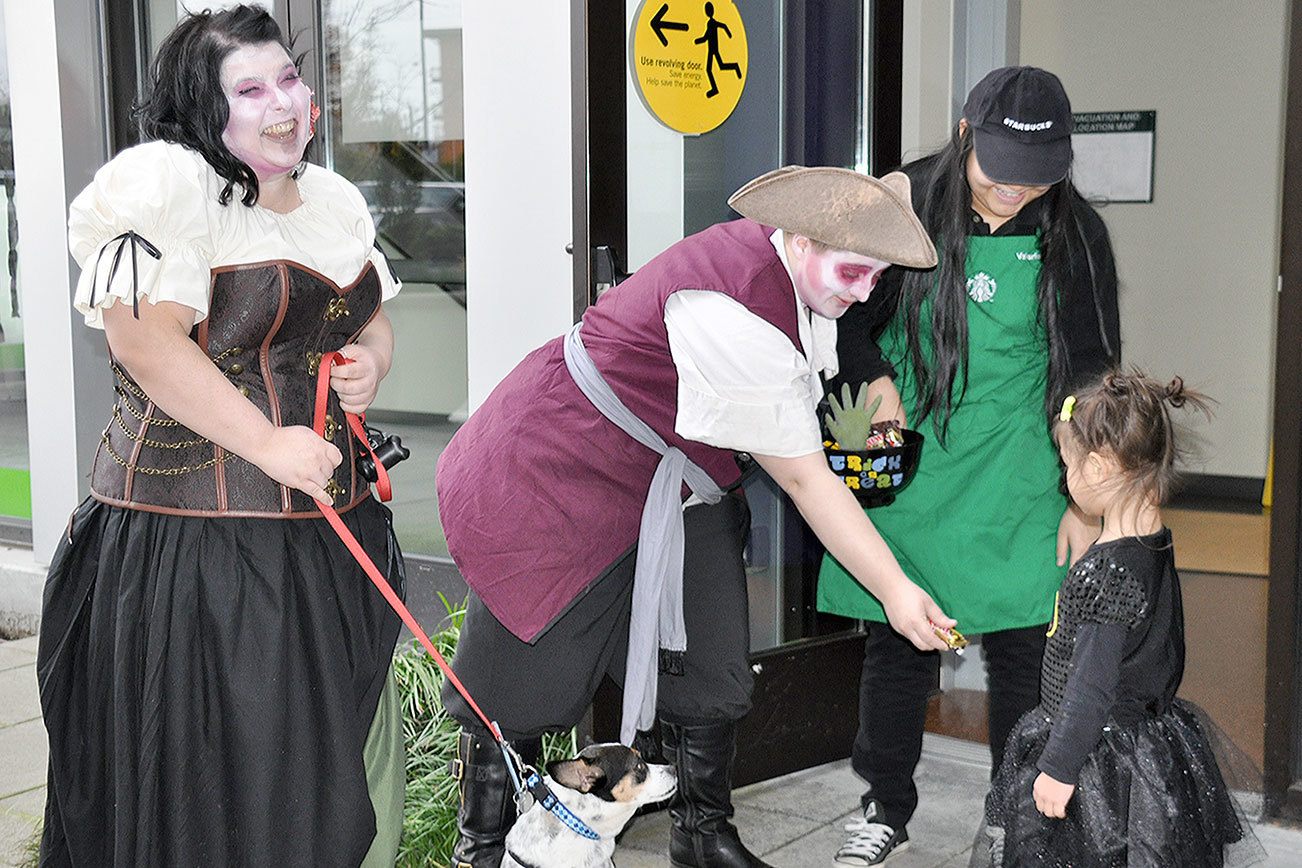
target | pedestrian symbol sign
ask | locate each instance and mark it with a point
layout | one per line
(689, 59)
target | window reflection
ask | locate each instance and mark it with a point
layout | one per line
(15, 478)
(162, 15)
(392, 97)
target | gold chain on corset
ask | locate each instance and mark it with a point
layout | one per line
(233, 351)
(127, 384)
(161, 423)
(155, 471)
(125, 387)
(157, 444)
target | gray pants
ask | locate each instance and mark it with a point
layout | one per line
(548, 685)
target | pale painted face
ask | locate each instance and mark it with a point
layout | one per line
(269, 122)
(829, 281)
(996, 202)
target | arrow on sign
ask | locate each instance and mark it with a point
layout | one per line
(659, 25)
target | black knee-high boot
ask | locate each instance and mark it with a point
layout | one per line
(702, 836)
(487, 808)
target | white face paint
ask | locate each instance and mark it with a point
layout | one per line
(269, 123)
(829, 281)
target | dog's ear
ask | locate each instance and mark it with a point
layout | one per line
(576, 774)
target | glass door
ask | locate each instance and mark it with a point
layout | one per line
(805, 98)
(390, 92)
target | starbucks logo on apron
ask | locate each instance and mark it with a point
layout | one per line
(981, 287)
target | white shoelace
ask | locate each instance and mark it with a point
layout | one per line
(866, 841)
(996, 845)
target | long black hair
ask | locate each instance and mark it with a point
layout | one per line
(185, 103)
(946, 212)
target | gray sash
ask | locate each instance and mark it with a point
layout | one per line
(658, 573)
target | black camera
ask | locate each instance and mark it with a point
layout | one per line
(387, 448)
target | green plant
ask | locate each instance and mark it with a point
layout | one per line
(850, 420)
(429, 823)
(29, 855)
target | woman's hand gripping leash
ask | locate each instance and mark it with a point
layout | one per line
(519, 772)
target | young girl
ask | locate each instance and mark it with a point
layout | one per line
(1111, 768)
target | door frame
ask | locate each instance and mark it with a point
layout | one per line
(1283, 757)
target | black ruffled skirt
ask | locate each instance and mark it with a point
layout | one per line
(208, 685)
(1151, 794)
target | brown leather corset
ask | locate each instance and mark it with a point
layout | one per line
(268, 325)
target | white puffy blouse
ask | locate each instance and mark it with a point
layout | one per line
(167, 194)
(741, 383)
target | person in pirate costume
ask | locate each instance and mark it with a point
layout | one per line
(714, 347)
(1111, 769)
(213, 665)
(973, 353)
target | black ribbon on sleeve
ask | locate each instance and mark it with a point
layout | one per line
(134, 240)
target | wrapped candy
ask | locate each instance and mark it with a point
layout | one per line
(954, 639)
(884, 434)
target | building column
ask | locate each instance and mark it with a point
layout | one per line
(60, 139)
(519, 191)
(987, 35)
(948, 48)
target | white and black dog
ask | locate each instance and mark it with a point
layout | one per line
(602, 786)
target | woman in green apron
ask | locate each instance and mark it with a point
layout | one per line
(974, 354)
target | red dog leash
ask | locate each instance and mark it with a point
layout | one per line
(328, 360)
(528, 783)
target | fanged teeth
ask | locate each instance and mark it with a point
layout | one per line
(279, 129)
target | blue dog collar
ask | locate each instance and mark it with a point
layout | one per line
(547, 799)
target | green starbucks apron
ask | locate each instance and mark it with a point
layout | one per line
(977, 528)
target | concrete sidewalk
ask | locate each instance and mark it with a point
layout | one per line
(793, 822)
(22, 749)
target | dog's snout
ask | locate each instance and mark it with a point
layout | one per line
(662, 782)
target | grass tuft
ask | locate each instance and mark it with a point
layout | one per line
(429, 827)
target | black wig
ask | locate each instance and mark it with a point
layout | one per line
(941, 381)
(185, 103)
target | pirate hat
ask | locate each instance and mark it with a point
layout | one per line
(841, 208)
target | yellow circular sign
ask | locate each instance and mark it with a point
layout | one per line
(690, 61)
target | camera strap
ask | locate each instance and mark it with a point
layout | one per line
(328, 361)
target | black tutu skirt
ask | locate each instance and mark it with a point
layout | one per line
(208, 685)
(1150, 794)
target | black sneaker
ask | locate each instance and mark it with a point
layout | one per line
(871, 841)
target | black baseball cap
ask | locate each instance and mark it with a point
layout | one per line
(1021, 125)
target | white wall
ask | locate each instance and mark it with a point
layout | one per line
(1198, 266)
(519, 278)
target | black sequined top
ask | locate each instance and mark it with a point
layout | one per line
(1115, 651)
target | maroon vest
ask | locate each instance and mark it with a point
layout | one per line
(267, 327)
(538, 493)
